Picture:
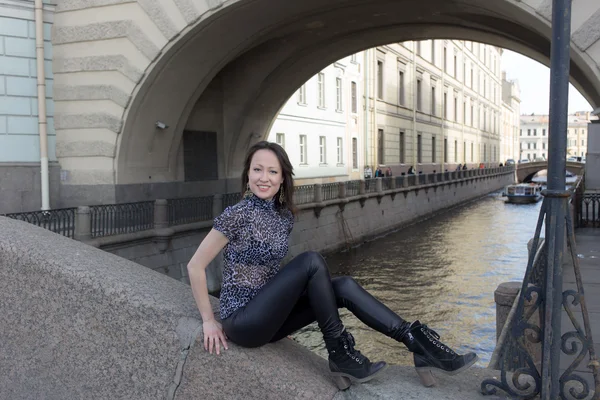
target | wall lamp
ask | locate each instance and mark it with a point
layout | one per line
(161, 125)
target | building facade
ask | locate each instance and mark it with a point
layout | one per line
(429, 104)
(534, 131)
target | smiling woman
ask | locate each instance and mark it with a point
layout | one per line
(262, 303)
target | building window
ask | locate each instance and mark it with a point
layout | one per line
(354, 153)
(455, 66)
(432, 99)
(472, 76)
(380, 79)
(353, 58)
(535, 146)
(418, 48)
(464, 120)
(401, 88)
(322, 149)
(302, 95)
(419, 96)
(465, 152)
(529, 145)
(354, 98)
(321, 89)
(445, 150)
(402, 148)
(338, 91)
(445, 59)
(484, 153)
(484, 87)
(456, 151)
(535, 132)
(544, 145)
(455, 108)
(303, 159)
(582, 142)
(465, 73)
(528, 132)
(445, 105)
(380, 158)
(280, 138)
(419, 149)
(544, 155)
(521, 132)
(543, 132)
(433, 149)
(471, 151)
(472, 115)
(340, 150)
(433, 52)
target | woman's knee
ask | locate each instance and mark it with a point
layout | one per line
(311, 259)
(343, 285)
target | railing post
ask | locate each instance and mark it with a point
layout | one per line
(362, 187)
(83, 224)
(379, 185)
(342, 190)
(318, 193)
(161, 214)
(217, 208)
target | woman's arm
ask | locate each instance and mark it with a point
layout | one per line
(212, 244)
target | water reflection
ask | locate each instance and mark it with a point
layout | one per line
(443, 272)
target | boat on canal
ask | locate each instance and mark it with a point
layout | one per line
(523, 193)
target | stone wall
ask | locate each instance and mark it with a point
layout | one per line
(20, 187)
(324, 227)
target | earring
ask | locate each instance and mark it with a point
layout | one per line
(281, 196)
(248, 191)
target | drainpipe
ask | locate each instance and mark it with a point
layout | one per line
(41, 100)
(414, 116)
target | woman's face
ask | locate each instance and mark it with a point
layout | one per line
(265, 175)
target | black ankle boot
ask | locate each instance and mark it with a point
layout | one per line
(429, 353)
(347, 364)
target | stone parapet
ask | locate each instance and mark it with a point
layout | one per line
(118, 330)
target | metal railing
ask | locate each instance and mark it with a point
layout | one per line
(188, 210)
(59, 220)
(304, 194)
(386, 183)
(371, 185)
(330, 191)
(352, 188)
(230, 199)
(117, 219)
(589, 210)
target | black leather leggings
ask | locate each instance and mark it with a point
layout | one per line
(301, 293)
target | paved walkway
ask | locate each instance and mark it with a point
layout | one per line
(402, 382)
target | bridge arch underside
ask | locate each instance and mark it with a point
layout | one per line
(232, 67)
(526, 173)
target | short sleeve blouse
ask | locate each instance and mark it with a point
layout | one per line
(258, 237)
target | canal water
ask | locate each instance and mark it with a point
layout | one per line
(442, 271)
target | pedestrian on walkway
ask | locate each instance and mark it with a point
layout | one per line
(261, 302)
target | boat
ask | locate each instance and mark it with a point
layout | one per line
(523, 193)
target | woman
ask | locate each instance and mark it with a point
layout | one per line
(261, 303)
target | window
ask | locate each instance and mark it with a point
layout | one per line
(402, 147)
(380, 79)
(529, 145)
(418, 48)
(401, 88)
(353, 58)
(338, 92)
(471, 76)
(302, 95)
(535, 145)
(528, 132)
(456, 151)
(472, 115)
(280, 138)
(321, 89)
(534, 156)
(445, 105)
(455, 66)
(543, 132)
(433, 52)
(354, 99)
(354, 153)
(445, 59)
(303, 159)
(464, 120)
(419, 149)
(380, 140)
(322, 150)
(464, 152)
(455, 108)
(419, 96)
(521, 132)
(544, 145)
(340, 150)
(445, 150)
(433, 149)
(535, 132)
(582, 142)
(471, 151)
(484, 87)
(543, 155)
(432, 99)
(465, 73)
(529, 156)
(484, 153)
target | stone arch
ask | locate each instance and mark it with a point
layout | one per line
(136, 62)
(525, 172)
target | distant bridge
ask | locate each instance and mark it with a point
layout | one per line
(526, 171)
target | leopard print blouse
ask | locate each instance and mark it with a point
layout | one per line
(258, 240)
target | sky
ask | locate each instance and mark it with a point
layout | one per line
(534, 81)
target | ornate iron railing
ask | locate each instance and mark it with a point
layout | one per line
(371, 185)
(188, 210)
(230, 199)
(304, 194)
(589, 210)
(412, 180)
(330, 191)
(399, 181)
(386, 183)
(116, 219)
(352, 188)
(59, 220)
(422, 179)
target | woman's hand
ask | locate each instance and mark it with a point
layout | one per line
(213, 333)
